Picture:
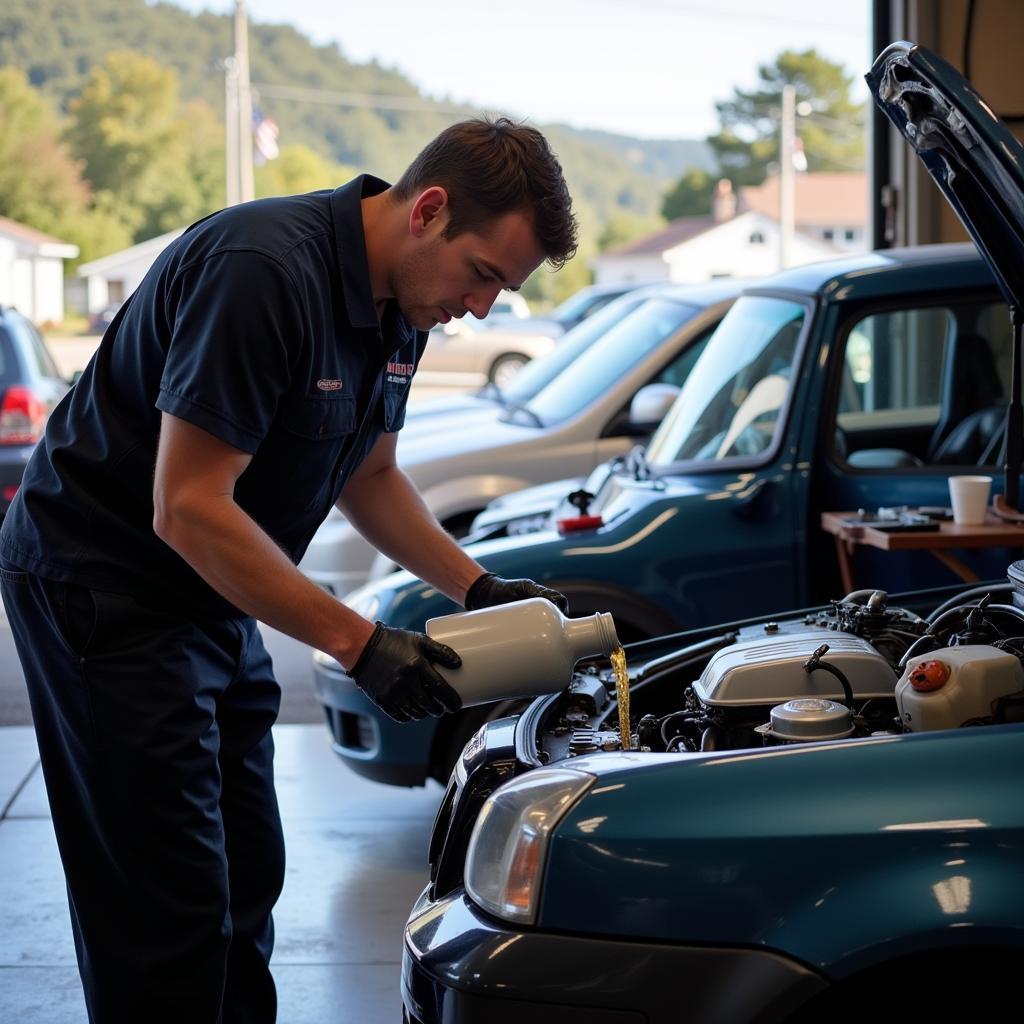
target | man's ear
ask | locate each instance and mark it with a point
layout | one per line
(429, 212)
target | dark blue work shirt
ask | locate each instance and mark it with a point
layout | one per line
(258, 325)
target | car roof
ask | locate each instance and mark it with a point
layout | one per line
(708, 293)
(886, 272)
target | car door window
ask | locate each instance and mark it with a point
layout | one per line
(924, 384)
(893, 368)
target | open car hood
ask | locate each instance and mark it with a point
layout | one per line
(968, 151)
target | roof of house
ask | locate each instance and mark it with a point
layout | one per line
(823, 198)
(680, 230)
(151, 247)
(47, 245)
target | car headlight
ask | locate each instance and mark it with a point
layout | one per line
(508, 849)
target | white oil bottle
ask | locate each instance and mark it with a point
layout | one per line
(522, 649)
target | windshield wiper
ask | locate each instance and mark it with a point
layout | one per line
(636, 463)
(514, 407)
(491, 391)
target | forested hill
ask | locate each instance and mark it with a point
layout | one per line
(57, 42)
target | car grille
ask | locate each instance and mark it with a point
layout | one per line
(349, 730)
(487, 762)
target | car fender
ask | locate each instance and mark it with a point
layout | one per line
(889, 910)
(470, 493)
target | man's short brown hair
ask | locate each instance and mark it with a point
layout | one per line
(489, 168)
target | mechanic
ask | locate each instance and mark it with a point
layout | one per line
(258, 375)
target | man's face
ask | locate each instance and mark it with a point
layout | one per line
(439, 279)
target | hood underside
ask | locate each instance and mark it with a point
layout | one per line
(968, 151)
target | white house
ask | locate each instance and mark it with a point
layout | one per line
(829, 206)
(32, 271)
(740, 238)
(111, 279)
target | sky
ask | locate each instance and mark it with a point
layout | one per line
(650, 68)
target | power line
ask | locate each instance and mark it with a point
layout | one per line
(356, 99)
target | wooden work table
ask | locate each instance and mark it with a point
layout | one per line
(993, 533)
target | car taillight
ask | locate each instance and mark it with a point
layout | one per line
(22, 416)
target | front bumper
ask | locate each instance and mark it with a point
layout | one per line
(461, 967)
(369, 742)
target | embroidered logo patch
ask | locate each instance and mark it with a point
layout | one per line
(330, 385)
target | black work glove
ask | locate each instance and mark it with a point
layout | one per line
(489, 590)
(396, 671)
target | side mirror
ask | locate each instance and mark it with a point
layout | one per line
(649, 406)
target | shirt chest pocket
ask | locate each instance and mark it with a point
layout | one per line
(315, 434)
(319, 419)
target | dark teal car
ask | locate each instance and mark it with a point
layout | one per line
(813, 817)
(858, 383)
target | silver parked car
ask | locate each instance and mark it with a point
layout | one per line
(495, 349)
(617, 376)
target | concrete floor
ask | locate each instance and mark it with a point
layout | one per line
(356, 862)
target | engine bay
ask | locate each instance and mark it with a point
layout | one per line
(856, 668)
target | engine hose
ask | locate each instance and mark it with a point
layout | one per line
(964, 610)
(966, 596)
(1007, 609)
(814, 662)
(711, 739)
(912, 650)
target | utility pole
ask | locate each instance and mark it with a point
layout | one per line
(238, 114)
(787, 176)
(231, 130)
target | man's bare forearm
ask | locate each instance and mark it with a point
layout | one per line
(387, 510)
(195, 514)
(233, 554)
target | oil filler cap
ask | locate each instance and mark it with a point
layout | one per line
(811, 718)
(929, 675)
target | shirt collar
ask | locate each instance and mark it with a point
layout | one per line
(350, 245)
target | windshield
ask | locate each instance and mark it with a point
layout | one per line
(619, 348)
(538, 373)
(731, 402)
(583, 305)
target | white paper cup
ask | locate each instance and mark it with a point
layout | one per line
(969, 497)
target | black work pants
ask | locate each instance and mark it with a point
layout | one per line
(154, 738)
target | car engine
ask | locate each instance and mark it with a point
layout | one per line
(857, 668)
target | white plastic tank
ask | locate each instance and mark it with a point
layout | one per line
(955, 685)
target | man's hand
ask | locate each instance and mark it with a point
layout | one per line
(396, 671)
(489, 590)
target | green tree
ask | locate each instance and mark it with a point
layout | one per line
(40, 183)
(832, 134)
(690, 196)
(625, 227)
(300, 169)
(140, 146)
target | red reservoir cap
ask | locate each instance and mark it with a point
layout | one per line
(929, 675)
(575, 523)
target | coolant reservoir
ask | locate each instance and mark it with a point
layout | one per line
(521, 649)
(949, 687)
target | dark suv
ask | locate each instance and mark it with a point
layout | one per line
(30, 386)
